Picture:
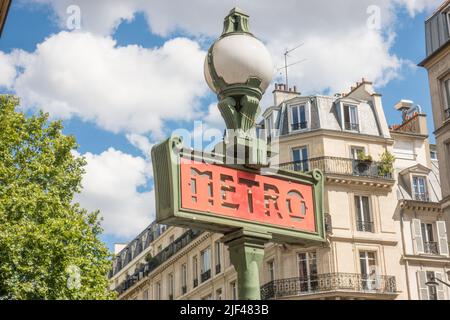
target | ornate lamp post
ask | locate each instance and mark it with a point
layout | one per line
(238, 68)
(205, 192)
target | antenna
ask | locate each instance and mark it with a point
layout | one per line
(286, 66)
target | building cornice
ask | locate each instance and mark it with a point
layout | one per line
(4, 9)
(428, 61)
(427, 259)
(336, 134)
(421, 205)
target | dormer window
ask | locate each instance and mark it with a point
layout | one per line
(420, 192)
(447, 99)
(298, 119)
(351, 121)
(270, 126)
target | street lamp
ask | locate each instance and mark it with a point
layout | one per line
(434, 282)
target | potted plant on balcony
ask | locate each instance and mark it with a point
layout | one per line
(386, 166)
(363, 163)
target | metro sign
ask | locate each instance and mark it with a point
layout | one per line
(194, 193)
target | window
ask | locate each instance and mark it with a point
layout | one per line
(158, 291)
(233, 290)
(420, 188)
(298, 118)
(364, 221)
(205, 264)
(307, 269)
(269, 125)
(433, 155)
(368, 270)
(195, 271)
(355, 151)
(300, 159)
(170, 286)
(351, 122)
(145, 295)
(429, 244)
(183, 278)
(447, 99)
(217, 255)
(271, 269)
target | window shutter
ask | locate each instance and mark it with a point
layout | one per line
(440, 288)
(442, 238)
(423, 289)
(307, 115)
(416, 231)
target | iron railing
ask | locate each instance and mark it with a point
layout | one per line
(299, 126)
(218, 268)
(431, 247)
(340, 166)
(159, 259)
(195, 283)
(364, 226)
(205, 275)
(351, 126)
(329, 282)
(422, 196)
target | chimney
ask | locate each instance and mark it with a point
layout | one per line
(282, 93)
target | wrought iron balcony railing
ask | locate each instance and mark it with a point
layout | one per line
(364, 226)
(159, 259)
(195, 283)
(329, 282)
(431, 247)
(299, 126)
(423, 196)
(218, 268)
(339, 166)
(205, 275)
(352, 126)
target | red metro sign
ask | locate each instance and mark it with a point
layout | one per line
(247, 196)
(193, 192)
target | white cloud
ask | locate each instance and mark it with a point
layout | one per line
(8, 71)
(130, 89)
(141, 142)
(339, 46)
(111, 185)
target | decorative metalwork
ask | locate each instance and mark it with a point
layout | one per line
(431, 247)
(364, 226)
(422, 196)
(351, 126)
(340, 166)
(206, 275)
(157, 260)
(320, 283)
(299, 126)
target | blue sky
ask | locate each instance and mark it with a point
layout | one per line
(105, 136)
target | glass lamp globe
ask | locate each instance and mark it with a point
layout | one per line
(238, 59)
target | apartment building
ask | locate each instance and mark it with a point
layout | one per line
(372, 209)
(4, 8)
(437, 63)
(425, 251)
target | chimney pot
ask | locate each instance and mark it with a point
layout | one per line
(295, 88)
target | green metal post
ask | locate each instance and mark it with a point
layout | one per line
(246, 254)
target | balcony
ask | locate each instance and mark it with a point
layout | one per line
(195, 283)
(299, 126)
(364, 226)
(205, 275)
(158, 260)
(352, 126)
(431, 248)
(423, 196)
(218, 268)
(339, 166)
(330, 282)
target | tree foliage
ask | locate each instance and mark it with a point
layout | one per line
(49, 246)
